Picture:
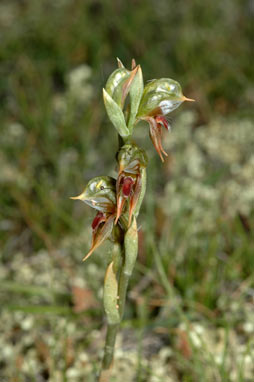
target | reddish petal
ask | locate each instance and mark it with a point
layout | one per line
(99, 218)
(156, 139)
(101, 234)
(120, 204)
(163, 121)
(119, 199)
(159, 141)
(127, 84)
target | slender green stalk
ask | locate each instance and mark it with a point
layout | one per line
(113, 329)
(114, 305)
(112, 310)
(108, 352)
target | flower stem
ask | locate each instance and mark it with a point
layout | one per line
(115, 295)
(112, 311)
(108, 353)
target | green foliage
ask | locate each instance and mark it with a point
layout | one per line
(110, 296)
(115, 115)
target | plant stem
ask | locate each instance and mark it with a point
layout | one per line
(113, 329)
(112, 310)
(108, 352)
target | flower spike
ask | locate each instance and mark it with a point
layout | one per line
(117, 202)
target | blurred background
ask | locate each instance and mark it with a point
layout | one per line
(190, 314)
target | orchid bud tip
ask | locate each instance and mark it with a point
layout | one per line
(119, 62)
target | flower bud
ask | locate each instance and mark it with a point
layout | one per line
(130, 158)
(121, 83)
(115, 82)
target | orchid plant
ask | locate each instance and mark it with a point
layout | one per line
(118, 201)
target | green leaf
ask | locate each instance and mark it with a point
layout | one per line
(136, 91)
(131, 247)
(115, 114)
(110, 296)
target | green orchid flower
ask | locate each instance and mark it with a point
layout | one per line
(160, 97)
(132, 162)
(100, 194)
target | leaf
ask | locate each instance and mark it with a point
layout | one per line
(110, 296)
(115, 114)
(136, 91)
(131, 247)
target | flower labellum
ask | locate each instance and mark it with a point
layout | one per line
(127, 186)
(99, 218)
